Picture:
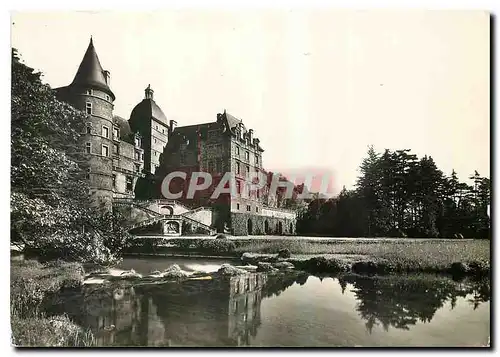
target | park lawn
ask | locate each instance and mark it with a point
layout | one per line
(412, 253)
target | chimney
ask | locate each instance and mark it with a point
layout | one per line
(171, 128)
(240, 127)
(107, 77)
(148, 92)
(250, 136)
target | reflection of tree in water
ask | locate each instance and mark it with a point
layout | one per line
(277, 283)
(402, 301)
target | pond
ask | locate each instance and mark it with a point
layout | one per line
(295, 309)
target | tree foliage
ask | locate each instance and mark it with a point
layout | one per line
(399, 195)
(51, 208)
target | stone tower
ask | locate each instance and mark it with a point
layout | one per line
(151, 123)
(91, 93)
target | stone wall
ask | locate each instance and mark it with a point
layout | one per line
(261, 225)
(159, 138)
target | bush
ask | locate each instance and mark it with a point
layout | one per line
(324, 265)
(34, 288)
(58, 331)
(32, 282)
(217, 246)
(284, 253)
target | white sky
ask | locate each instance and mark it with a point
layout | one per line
(317, 86)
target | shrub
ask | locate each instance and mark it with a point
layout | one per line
(284, 253)
(220, 246)
(58, 331)
(324, 265)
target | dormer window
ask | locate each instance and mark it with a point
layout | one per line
(137, 142)
(90, 92)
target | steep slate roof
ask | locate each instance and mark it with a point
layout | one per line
(90, 72)
(231, 120)
(147, 109)
(123, 125)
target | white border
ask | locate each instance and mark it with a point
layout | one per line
(24, 5)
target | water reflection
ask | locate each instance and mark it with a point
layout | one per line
(227, 312)
(402, 302)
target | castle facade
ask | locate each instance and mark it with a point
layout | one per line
(128, 159)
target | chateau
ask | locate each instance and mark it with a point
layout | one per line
(128, 160)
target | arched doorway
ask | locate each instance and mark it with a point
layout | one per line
(280, 228)
(167, 210)
(266, 227)
(249, 226)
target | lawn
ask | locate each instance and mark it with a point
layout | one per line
(425, 252)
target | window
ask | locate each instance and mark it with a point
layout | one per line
(248, 169)
(163, 131)
(105, 132)
(114, 180)
(129, 184)
(105, 150)
(89, 92)
(137, 155)
(248, 208)
(88, 148)
(247, 155)
(138, 142)
(88, 107)
(238, 168)
(238, 187)
(157, 127)
(256, 209)
(237, 206)
(89, 128)
(258, 193)
(87, 175)
(155, 140)
(142, 157)
(237, 151)
(137, 168)
(116, 149)
(107, 97)
(116, 134)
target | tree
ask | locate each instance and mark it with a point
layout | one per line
(51, 209)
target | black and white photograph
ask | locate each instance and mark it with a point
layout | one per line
(260, 177)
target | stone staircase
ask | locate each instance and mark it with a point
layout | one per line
(157, 217)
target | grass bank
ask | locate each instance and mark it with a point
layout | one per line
(33, 286)
(467, 257)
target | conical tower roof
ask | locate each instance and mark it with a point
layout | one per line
(90, 72)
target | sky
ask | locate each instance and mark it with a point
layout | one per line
(317, 86)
